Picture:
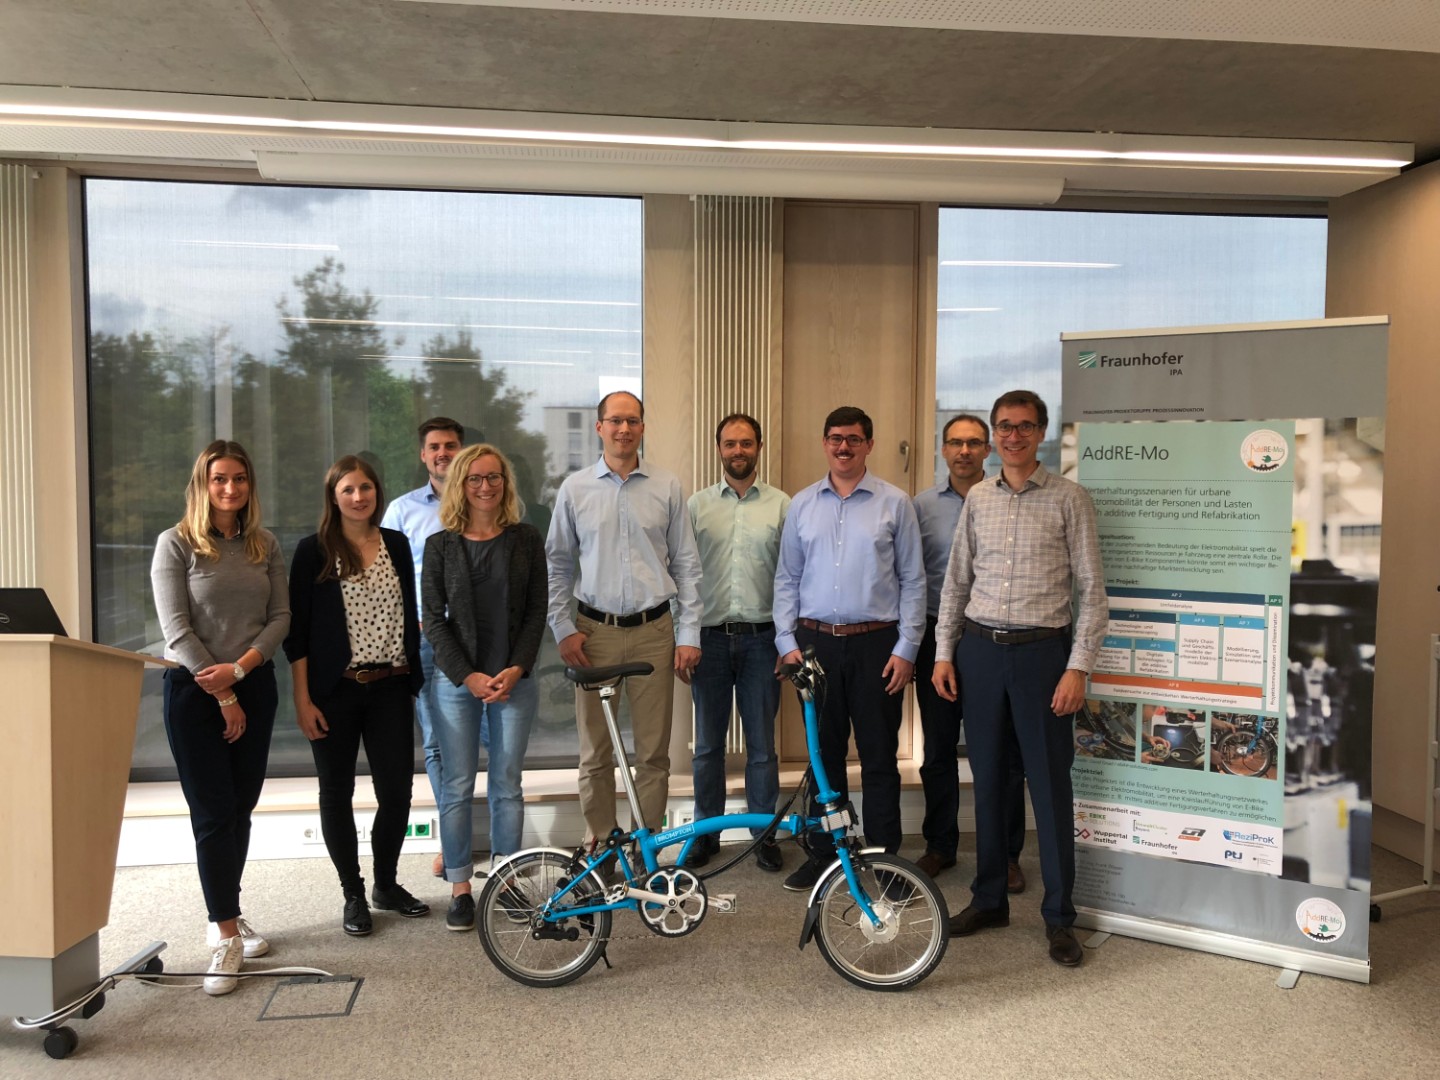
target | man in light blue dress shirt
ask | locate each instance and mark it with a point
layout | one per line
(623, 526)
(738, 524)
(417, 515)
(964, 447)
(851, 583)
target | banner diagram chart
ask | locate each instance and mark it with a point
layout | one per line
(1184, 511)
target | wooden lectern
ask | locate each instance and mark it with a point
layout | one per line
(67, 731)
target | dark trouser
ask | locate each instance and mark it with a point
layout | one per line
(1006, 690)
(855, 695)
(382, 715)
(940, 721)
(221, 781)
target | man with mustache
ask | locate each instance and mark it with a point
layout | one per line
(851, 583)
(738, 524)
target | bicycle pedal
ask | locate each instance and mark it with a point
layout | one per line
(723, 902)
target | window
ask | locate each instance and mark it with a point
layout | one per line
(1011, 281)
(308, 323)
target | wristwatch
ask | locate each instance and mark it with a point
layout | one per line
(238, 670)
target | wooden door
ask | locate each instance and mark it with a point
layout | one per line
(853, 331)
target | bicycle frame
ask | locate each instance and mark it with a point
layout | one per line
(835, 819)
(545, 915)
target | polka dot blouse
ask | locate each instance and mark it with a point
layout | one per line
(375, 613)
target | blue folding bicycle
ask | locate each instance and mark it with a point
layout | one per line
(544, 914)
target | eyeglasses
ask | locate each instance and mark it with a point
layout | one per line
(1025, 427)
(851, 441)
(623, 421)
(968, 444)
(494, 479)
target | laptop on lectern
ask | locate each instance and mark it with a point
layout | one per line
(28, 611)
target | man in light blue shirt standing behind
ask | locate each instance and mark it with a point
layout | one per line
(738, 524)
(417, 515)
(624, 523)
(964, 446)
(851, 582)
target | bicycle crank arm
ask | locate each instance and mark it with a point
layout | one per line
(724, 902)
(633, 893)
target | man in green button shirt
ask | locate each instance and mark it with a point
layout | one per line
(737, 528)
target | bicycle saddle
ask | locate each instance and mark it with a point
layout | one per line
(586, 676)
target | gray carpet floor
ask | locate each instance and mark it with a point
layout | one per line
(734, 999)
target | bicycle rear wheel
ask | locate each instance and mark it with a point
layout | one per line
(507, 919)
(910, 941)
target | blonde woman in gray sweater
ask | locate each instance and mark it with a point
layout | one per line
(224, 608)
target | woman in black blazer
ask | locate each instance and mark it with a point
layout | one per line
(354, 650)
(484, 590)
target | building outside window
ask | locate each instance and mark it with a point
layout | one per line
(1011, 281)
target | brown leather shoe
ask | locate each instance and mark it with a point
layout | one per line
(973, 919)
(1014, 879)
(932, 863)
(1064, 948)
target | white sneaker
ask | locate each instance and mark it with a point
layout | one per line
(224, 964)
(255, 945)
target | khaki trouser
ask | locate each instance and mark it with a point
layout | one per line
(651, 700)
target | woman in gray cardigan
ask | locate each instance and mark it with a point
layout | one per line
(483, 594)
(224, 609)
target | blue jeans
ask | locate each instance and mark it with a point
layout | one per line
(425, 710)
(459, 720)
(742, 667)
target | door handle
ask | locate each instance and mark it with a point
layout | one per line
(905, 453)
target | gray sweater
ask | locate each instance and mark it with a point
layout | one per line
(211, 611)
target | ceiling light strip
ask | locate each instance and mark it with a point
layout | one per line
(676, 141)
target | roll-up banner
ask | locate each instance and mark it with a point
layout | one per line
(1222, 760)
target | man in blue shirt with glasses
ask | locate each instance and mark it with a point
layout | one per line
(851, 583)
(620, 550)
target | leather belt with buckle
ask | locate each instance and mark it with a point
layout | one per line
(640, 618)
(733, 628)
(1014, 637)
(376, 672)
(846, 629)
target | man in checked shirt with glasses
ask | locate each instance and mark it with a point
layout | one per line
(1025, 545)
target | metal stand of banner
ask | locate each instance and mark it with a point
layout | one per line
(1432, 758)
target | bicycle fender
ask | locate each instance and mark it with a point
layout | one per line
(812, 912)
(566, 852)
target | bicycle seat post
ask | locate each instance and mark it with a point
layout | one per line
(607, 694)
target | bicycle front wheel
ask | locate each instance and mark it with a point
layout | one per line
(914, 928)
(1240, 755)
(507, 917)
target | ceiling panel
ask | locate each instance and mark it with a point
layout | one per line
(1392, 24)
(607, 63)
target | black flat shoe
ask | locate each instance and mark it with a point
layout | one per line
(395, 898)
(357, 921)
(768, 857)
(702, 851)
(973, 919)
